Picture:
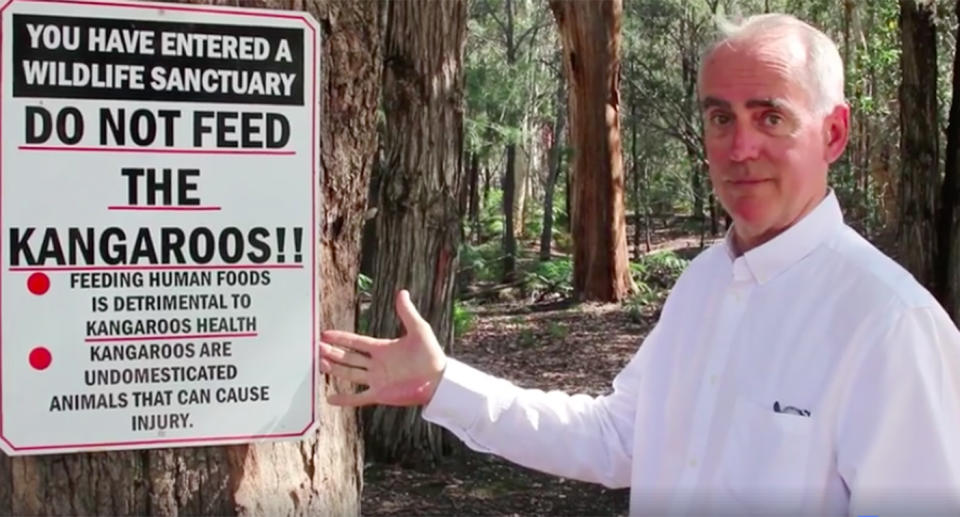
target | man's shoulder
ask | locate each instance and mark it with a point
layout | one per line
(858, 263)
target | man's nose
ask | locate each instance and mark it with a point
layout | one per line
(746, 143)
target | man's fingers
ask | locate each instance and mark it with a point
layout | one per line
(345, 357)
(351, 340)
(364, 398)
(347, 373)
(407, 312)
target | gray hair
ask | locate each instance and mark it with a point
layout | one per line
(825, 80)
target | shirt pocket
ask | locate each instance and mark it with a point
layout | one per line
(765, 460)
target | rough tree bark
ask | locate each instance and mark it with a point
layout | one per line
(590, 33)
(320, 475)
(919, 138)
(420, 211)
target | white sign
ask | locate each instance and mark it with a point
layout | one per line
(158, 216)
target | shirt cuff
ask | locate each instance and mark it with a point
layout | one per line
(460, 397)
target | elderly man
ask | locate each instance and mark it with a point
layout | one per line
(795, 370)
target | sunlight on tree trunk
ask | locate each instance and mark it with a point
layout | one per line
(590, 34)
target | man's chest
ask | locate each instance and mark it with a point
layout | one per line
(747, 392)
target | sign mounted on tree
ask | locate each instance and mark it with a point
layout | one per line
(158, 215)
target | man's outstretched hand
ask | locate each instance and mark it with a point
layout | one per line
(397, 372)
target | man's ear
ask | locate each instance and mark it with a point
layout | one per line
(836, 132)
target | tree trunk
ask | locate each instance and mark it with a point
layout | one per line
(509, 185)
(487, 178)
(420, 213)
(521, 171)
(635, 172)
(553, 163)
(509, 239)
(319, 475)
(590, 32)
(567, 192)
(474, 207)
(919, 138)
(948, 231)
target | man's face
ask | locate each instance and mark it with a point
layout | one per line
(767, 148)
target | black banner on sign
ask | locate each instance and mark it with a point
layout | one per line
(118, 59)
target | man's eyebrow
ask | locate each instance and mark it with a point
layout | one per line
(713, 102)
(767, 103)
(772, 102)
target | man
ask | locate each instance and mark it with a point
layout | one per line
(795, 370)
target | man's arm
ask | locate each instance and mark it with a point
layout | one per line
(899, 433)
(574, 436)
(577, 436)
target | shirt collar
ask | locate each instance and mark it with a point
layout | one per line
(796, 242)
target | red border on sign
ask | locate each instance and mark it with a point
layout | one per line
(313, 253)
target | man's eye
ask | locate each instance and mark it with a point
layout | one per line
(772, 119)
(719, 119)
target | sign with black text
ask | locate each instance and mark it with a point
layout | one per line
(158, 215)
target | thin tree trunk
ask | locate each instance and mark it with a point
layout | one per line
(510, 174)
(590, 33)
(509, 239)
(474, 208)
(638, 207)
(521, 171)
(714, 223)
(568, 194)
(919, 138)
(319, 475)
(553, 164)
(420, 197)
(487, 178)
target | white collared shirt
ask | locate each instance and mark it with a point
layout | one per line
(861, 362)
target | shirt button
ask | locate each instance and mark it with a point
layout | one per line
(693, 462)
(713, 380)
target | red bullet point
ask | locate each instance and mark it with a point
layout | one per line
(38, 283)
(40, 358)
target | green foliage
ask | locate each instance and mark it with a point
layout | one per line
(639, 306)
(363, 321)
(502, 83)
(463, 319)
(659, 270)
(482, 263)
(552, 275)
(491, 215)
(655, 274)
(364, 284)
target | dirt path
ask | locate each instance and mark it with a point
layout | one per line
(577, 349)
